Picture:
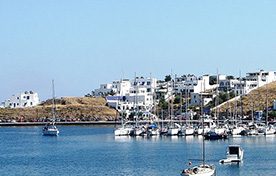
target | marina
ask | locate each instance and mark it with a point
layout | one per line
(94, 150)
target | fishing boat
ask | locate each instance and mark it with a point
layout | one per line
(234, 154)
(50, 129)
(203, 169)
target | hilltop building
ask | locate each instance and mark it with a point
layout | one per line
(193, 84)
(251, 81)
(22, 100)
(129, 95)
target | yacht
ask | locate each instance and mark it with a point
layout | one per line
(124, 131)
(269, 130)
(203, 169)
(50, 129)
(234, 154)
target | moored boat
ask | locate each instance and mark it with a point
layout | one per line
(234, 154)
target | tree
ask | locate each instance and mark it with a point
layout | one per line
(176, 100)
(112, 93)
(230, 77)
(168, 78)
(163, 104)
(212, 80)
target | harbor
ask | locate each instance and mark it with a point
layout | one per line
(91, 146)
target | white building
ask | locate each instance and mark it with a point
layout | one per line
(205, 97)
(193, 84)
(130, 94)
(251, 81)
(22, 100)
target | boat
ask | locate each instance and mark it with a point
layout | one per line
(124, 130)
(50, 129)
(203, 169)
(213, 135)
(234, 154)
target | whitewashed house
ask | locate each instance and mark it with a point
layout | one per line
(131, 94)
(193, 84)
(196, 98)
(22, 100)
(253, 80)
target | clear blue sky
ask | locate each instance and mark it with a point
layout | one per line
(83, 43)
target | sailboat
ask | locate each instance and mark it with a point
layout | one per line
(203, 169)
(269, 129)
(50, 129)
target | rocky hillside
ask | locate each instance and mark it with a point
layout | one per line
(71, 108)
(255, 99)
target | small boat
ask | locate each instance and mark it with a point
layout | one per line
(203, 169)
(213, 135)
(200, 170)
(50, 129)
(234, 154)
(124, 131)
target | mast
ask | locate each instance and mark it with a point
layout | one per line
(203, 141)
(266, 119)
(241, 94)
(186, 105)
(136, 101)
(53, 103)
(217, 101)
(181, 107)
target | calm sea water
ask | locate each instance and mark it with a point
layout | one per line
(90, 150)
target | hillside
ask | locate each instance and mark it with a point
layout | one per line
(256, 98)
(74, 108)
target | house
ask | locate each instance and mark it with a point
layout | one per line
(22, 100)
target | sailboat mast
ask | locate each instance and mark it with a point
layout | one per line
(186, 105)
(53, 102)
(203, 141)
(266, 119)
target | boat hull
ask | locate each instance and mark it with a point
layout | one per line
(50, 132)
(199, 171)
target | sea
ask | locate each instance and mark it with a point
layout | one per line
(94, 150)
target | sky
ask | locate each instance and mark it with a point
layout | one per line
(82, 44)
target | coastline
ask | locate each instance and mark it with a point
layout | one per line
(60, 123)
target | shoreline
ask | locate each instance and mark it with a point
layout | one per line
(60, 123)
(165, 122)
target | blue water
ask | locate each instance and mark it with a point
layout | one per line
(93, 150)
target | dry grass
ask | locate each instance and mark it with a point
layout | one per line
(256, 99)
(68, 107)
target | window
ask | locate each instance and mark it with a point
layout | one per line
(28, 97)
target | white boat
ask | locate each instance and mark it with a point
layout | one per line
(188, 131)
(236, 130)
(269, 130)
(234, 154)
(252, 129)
(174, 129)
(50, 129)
(138, 130)
(124, 131)
(200, 170)
(200, 130)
